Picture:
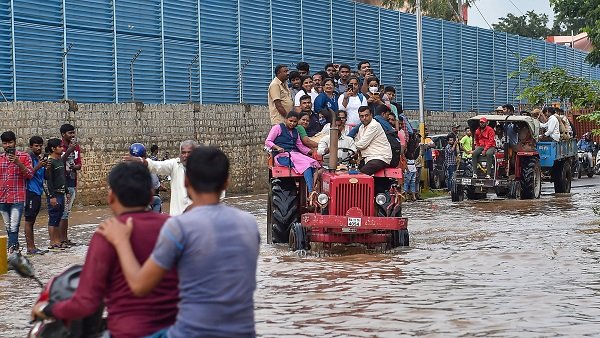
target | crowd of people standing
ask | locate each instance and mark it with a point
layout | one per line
(26, 176)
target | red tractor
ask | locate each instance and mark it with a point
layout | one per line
(351, 207)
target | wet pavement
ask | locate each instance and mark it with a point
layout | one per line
(493, 268)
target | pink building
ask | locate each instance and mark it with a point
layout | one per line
(579, 41)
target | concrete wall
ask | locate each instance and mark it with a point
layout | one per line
(105, 132)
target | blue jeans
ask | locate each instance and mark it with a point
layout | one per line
(55, 212)
(69, 198)
(308, 173)
(11, 215)
(409, 182)
(449, 179)
(156, 204)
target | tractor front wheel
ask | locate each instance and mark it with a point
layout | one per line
(458, 190)
(531, 178)
(398, 238)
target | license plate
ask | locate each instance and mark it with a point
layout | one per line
(353, 222)
(466, 181)
(344, 229)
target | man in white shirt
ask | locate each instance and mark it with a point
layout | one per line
(175, 168)
(552, 126)
(372, 143)
(344, 141)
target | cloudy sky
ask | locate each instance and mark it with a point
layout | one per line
(493, 10)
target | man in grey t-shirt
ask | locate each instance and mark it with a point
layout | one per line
(215, 249)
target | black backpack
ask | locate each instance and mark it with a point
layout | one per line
(392, 137)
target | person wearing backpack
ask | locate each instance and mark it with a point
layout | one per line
(372, 143)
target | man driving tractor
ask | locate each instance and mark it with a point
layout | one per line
(485, 144)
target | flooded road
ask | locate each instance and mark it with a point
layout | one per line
(493, 268)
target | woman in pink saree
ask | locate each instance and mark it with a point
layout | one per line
(284, 140)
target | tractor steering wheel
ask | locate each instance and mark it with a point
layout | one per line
(351, 154)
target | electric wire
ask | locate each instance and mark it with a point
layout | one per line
(516, 7)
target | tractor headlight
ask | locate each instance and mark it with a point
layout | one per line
(380, 199)
(322, 199)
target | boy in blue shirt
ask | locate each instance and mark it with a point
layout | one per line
(35, 188)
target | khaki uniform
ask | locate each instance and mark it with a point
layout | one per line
(279, 91)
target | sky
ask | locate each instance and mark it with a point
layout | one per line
(493, 10)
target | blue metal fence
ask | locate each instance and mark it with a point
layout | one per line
(214, 51)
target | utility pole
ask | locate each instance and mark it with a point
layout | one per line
(420, 68)
(460, 11)
(421, 89)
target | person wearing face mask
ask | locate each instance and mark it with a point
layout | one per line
(373, 96)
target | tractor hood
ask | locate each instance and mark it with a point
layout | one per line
(530, 122)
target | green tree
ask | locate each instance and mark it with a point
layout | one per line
(585, 13)
(540, 86)
(442, 9)
(530, 24)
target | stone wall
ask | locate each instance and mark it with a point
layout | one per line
(105, 132)
(441, 122)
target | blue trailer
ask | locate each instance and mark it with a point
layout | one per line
(556, 160)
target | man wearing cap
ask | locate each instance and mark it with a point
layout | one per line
(485, 144)
(499, 110)
(454, 131)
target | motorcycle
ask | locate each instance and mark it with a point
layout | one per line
(60, 287)
(585, 167)
(597, 166)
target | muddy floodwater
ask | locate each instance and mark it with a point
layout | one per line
(492, 268)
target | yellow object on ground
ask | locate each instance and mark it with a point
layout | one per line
(3, 257)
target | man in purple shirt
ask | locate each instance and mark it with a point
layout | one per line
(102, 279)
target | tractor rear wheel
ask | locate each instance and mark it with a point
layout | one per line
(284, 208)
(531, 178)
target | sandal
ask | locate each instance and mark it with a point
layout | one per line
(36, 251)
(56, 247)
(312, 198)
(68, 243)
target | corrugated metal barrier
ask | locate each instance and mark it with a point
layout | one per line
(212, 51)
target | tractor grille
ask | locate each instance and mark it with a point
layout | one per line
(353, 195)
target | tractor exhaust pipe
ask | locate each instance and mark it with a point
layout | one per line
(333, 147)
